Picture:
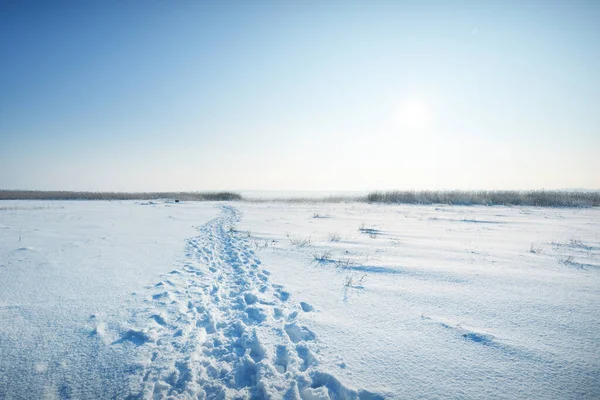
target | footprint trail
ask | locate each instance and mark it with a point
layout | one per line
(218, 329)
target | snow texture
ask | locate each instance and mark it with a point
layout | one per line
(218, 328)
(204, 300)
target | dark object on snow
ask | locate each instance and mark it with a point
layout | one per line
(176, 201)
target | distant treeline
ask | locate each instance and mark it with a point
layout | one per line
(539, 198)
(64, 195)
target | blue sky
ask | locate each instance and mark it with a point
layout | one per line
(299, 95)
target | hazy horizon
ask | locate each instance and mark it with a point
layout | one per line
(299, 96)
(282, 194)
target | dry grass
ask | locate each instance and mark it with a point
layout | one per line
(65, 195)
(567, 260)
(322, 256)
(536, 248)
(349, 261)
(262, 244)
(579, 244)
(300, 242)
(539, 198)
(334, 237)
(369, 230)
(353, 281)
(31, 208)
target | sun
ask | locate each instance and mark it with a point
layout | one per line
(413, 113)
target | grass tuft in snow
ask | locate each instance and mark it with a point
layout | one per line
(322, 256)
(347, 262)
(369, 230)
(334, 237)
(319, 215)
(262, 244)
(352, 281)
(567, 260)
(579, 244)
(536, 248)
(300, 242)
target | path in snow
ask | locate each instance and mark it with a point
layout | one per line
(217, 328)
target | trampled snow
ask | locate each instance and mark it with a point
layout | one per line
(312, 301)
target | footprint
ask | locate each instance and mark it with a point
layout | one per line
(307, 356)
(277, 313)
(330, 384)
(256, 315)
(139, 336)
(282, 294)
(162, 295)
(282, 359)
(306, 307)
(292, 316)
(208, 323)
(250, 298)
(251, 342)
(298, 333)
(159, 319)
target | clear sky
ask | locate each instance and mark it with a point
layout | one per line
(299, 95)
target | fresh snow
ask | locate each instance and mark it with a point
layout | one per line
(297, 301)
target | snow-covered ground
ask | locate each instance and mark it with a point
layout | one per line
(312, 301)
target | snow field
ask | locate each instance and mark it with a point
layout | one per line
(68, 269)
(453, 301)
(159, 300)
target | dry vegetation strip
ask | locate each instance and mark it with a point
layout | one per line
(538, 198)
(64, 195)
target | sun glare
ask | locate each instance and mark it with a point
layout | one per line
(413, 113)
